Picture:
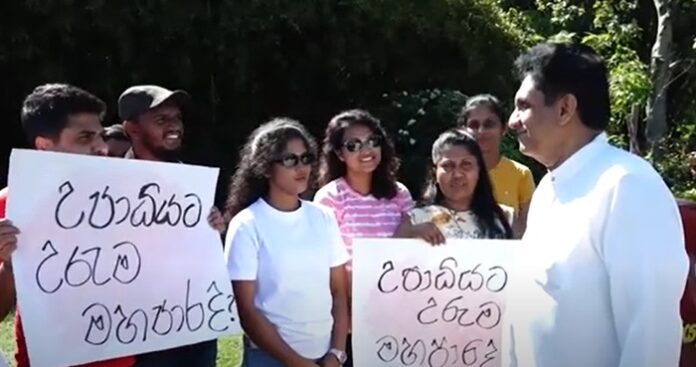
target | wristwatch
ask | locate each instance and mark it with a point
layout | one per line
(339, 354)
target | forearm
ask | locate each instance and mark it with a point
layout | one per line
(521, 221)
(341, 322)
(264, 334)
(7, 290)
(404, 230)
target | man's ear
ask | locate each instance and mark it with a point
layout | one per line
(131, 128)
(43, 143)
(568, 108)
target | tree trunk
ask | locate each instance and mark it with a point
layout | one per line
(656, 109)
(634, 142)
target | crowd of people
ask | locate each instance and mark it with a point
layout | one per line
(609, 273)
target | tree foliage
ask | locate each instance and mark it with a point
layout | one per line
(245, 61)
(623, 32)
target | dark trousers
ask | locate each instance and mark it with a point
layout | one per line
(255, 357)
(199, 355)
(349, 351)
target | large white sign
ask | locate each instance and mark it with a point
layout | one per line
(417, 305)
(115, 257)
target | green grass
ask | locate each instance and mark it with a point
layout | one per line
(7, 339)
(229, 348)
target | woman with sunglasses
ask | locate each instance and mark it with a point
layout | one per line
(358, 167)
(458, 199)
(513, 184)
(285, 256)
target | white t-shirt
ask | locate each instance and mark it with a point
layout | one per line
(2, 361)
(289, 255)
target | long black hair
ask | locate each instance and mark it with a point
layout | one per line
(251, 178)
(483, 204)
(384, 176)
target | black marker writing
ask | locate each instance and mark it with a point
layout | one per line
(149, 207)
(448, 276)
(83, 267)
(435, 352)
(127, 326)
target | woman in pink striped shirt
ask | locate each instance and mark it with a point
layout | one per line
(358, 176)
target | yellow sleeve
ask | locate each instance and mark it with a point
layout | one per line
(526, 185)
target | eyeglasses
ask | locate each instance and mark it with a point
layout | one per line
(487, 124)
(356, 145)
(293, 160)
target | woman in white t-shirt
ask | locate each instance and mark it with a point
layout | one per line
(285, 256)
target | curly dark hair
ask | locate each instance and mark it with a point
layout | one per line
(480, 100)
(46, 110)
(251, 178)
(384, 176)
(483, 203)
(565, 68)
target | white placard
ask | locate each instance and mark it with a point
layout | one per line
(115, 257)
(418, 305)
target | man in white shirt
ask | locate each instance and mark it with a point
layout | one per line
(602, 263)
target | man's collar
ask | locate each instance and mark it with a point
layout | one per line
(579, 159)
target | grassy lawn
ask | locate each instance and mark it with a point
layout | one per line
(229, 349)
(7, 339)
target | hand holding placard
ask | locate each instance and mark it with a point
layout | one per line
(118, 263)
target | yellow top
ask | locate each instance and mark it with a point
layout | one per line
(512, 182)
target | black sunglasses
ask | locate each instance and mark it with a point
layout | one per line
(292, 160)
(355, 145)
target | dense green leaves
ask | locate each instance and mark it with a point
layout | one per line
(248, 60)
(244, 61)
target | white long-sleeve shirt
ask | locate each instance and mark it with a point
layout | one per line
(602, 268)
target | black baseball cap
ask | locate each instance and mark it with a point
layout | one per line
(139, 99)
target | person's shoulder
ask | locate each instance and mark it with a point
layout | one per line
(628, 178)
(402, 191)
(427, 213)
(248, 215)
(516, 166)
(330, 190)
(400, 187)
(626, 168)
(316, 211)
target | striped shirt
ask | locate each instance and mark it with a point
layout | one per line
(360, 216)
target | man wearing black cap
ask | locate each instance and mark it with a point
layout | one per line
(152, 117)
(153, 120)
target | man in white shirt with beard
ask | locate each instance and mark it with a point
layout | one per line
(602, 265)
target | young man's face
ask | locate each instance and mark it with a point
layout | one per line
(83, 134)
(160, 131)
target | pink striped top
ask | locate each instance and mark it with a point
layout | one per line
(363, 215)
